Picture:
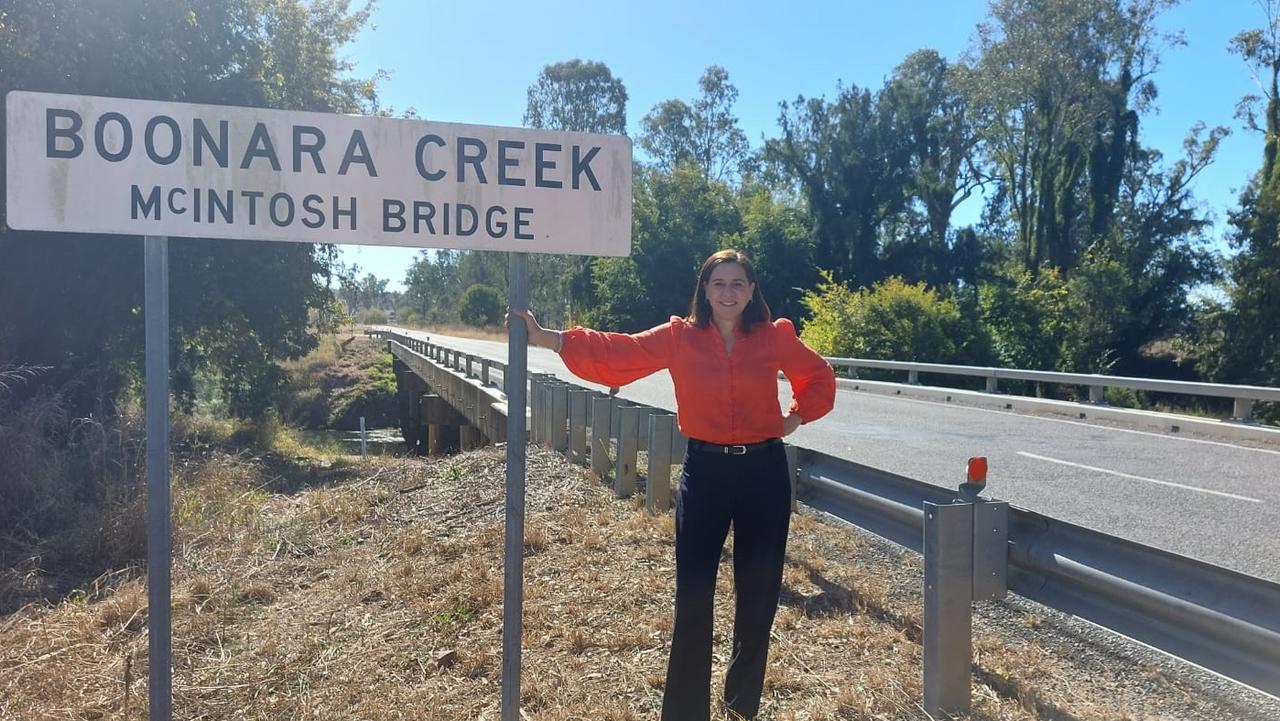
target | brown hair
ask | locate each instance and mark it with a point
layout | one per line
(757, 310)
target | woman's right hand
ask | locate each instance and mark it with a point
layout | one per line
(538, 335)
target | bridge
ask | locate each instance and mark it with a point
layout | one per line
(1163, 535)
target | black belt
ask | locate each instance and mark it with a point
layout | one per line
(740, 450)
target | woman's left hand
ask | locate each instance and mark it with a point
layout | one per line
(790, 423)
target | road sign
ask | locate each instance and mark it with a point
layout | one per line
(110, 165)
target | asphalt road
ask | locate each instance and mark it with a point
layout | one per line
(1215, 501)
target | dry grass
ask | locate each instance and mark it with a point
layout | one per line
(374, 591)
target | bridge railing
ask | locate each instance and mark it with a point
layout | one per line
(1219, 619)
(1243, 396)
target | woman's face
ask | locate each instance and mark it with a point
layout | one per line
(728, 291)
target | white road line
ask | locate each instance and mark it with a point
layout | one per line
(1139, 478)
(1095, 426)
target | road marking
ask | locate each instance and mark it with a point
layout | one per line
(1139, 478)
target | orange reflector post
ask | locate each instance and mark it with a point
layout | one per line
(977, 473)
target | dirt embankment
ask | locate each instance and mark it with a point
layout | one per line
(373, 590)
(348, 376)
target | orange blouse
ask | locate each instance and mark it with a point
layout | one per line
(726, 398)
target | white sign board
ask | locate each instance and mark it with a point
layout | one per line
(110, 165)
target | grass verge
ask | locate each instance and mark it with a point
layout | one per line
(373, 590)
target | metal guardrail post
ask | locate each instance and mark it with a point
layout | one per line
(624, 478)
(501, 368)
(948, 592)
(1098, 395)
(535, 408)
(657, 497)
(990, 550)
(601, 409)
(965, 560)
(913, 377)
(560, 417)
(548, 421)
(547, 400)
(540, 411)
(615, 415)
(642, 423)
(579, 399)
(1242, 410)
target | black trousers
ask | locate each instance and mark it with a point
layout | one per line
(752, 493)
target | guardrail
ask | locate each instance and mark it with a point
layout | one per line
(1219, 619)
(1243, 397)
(1216, 618)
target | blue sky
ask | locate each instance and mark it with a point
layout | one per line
(472, 62)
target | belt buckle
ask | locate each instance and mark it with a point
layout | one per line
(736, 450)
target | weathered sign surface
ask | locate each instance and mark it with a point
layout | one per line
(111, 165)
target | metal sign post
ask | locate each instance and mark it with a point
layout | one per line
(513, 571)
(159, 543)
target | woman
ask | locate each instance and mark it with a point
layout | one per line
(724, 361)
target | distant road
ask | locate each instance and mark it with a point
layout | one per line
(1215, 501)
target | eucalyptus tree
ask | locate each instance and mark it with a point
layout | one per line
(934, 123)
(433, 284)
(1060, 85)
(882, 172)
(1242, 338)
(850, 168)
(582, 96)
(1132, 283)
(704, 132)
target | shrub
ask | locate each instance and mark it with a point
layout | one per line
(372, 316)
(893, 320)
(481, 305)
(407, 315)
(1027, 318)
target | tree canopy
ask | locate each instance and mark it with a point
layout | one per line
(73, 301)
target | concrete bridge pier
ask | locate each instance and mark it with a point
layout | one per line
(441, 425)
(442, 412)
(409, 388)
